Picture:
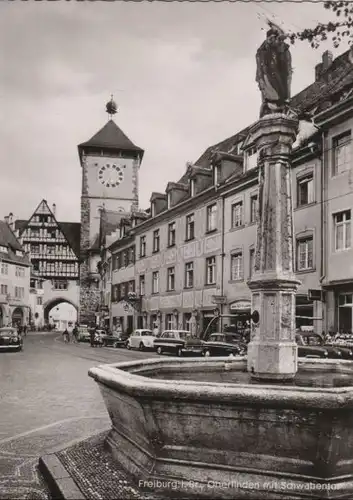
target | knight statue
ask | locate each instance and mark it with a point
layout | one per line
(274, 71)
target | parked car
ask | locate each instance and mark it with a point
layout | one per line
(312, 345)
(10, 339)
(83, 334)
(178, 342)
(115, 339)
(141, 339)
(224, 344)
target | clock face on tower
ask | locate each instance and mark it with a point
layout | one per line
(110, 175)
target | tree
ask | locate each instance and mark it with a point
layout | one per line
(336, 30)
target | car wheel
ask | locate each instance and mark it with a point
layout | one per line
(179, 352)
(206, 353)
(159, 350)
(141, 346)
(128, 346)
(115, 345)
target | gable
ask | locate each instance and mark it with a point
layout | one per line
(43, 219)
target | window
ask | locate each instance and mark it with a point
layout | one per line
(39, 301)
(3, 249)
(305, 254)
(211, 223)
(236, 266)
(19, 292)
(4, 268)
(155, 282)
(171, 234)
(3, 289)
(143, 246)
(170, 279)
(131, 286)
(305, 190)
(34, 248)
(187, 321)
(253, 208)
(251, 261)
(20, 272)
(190, 227)
(142, 284)
(131, 255)
(19, 253)
(189, 275)
(342, 225)
(237, 214)
(169, 321)
(156, 240)
(60, 285)
(251, 158)
(341, 149)
(153, 209)
(211, 271)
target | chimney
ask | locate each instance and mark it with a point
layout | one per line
(54, 209)
(321, 68)
(6, 219)
(327, 58)
(11, 222)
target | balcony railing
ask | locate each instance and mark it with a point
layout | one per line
(52, 256)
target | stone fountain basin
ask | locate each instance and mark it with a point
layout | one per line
(221, 439)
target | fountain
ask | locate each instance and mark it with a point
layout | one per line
(269, 426)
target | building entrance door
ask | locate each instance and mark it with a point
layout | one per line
(345, 310)
(130, 324)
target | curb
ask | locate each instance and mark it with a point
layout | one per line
(58, 479)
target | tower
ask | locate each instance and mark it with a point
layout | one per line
(110, 166)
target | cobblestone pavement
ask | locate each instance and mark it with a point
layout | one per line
(47, 403)
(97, 475)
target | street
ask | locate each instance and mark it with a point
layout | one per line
(47, 402)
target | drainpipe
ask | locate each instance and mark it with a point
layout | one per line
(323, 252)
(222, 259)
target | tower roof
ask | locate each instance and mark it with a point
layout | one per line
(111, 137)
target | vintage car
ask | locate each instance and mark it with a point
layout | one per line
(141, 339)
(178, 342)
(10, 339)
(224, 344)
(115, 339)
(313, 345)
(83, 334)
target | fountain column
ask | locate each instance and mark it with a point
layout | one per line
(272, 352)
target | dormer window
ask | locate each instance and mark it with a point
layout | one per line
(251, 156)
(3, 249)
(153, 209)
(192, 187)
(216, 174)
(169, 200)
(19, 253)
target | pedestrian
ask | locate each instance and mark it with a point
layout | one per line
(75, 334)
(92, 335)
(66, 336)
(25, 330)
(155, 330)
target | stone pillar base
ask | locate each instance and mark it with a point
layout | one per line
(272, 352)
(272, 360)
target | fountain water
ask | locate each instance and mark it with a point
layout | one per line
(263, 427)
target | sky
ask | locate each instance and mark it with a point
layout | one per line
(182, 74)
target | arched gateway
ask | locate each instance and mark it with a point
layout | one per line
(50, 314)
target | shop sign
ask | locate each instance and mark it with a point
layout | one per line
(240, 305)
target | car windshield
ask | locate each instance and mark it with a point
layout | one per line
(233, 339)
(7, 333)
(184, 335)
(145, 333)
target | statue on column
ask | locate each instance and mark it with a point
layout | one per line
(274, 71)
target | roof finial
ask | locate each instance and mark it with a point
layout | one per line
(111, 107)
